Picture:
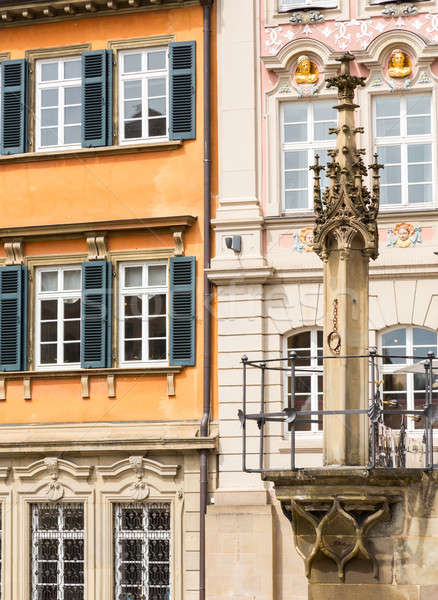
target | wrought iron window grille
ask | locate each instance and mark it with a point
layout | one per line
(142, 551)
(377, 409)
(58, 539)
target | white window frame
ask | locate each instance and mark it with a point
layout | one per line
(391, 369)
(144, 75)
(60, 296)
(403, 140)
(143, 291)
(60, 84)
(301, 370)
(310, 146)
(145, 535)
(285, 5)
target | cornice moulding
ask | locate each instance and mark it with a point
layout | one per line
(240, 276)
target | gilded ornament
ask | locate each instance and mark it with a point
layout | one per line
(404, 235)
(307, 71)
(399, 64)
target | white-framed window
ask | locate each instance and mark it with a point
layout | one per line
(143, 95)
(142, 551)
(58, 561)
(58, 103)
(304, 133)
(286, 5)
(406, 389)
(58, 317)
(309, 379)
(143, 310)
(403, 126)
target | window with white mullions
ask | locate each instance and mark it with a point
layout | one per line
(143, 94)
(404, 142)
(305, 132)
(58, 316)
(58, 103)
(405, 390)
(286, 5)
(308, 387)
(143, 312)
(142, 551)
(58, 559)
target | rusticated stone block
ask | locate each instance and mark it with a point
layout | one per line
(362, 592)
(416, 561)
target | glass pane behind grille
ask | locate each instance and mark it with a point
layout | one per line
(142, 551)
(58, 557)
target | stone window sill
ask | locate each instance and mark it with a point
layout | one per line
(88, 152)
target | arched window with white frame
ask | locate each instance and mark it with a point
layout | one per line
(309, 380)
(404, 388)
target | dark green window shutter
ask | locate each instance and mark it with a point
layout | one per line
(96, 98)
(95, 314)
(14, 107)
(13, 321)
(182, 91)
(182, 310)
(109, 98)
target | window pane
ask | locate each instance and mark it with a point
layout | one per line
(132, 89)
(397, 337)
(419, 173)
(49, 309)
(72, 308)
(49, 332)
(157, 327)
(48, 354)
(157, 275)
(72, 115)
(388, 106)
(418, 104)
(157, 127)
(322, 130)
(49, 137)
(72, 135)
(72, 330)
(133, 276)
(133, 129)
(133, 329)
(295, 179)
(132, 63)
(418, 125)
(156, 60)
(324, 111)
(387, 127)
(424, 337)
(156, 87)
(49, 116)
(72, 95)
(296, 200)
(72, 280)
(72, 69)
(420, 193)
(391, 174)
(391, 195)
(295, 112)
(300, 340)
(295, 133)
(49, 281)
(295, 160)
(157, 107)
(389, 154)
(72, 353)
(133, 350)
(419, 153)
(49, 71)
(132, 109)
(49, 97)
(157, 349)
(133, 306)
(157, 304)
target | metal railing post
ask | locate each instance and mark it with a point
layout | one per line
(373, 354)
(291, 404)
(244, 361)
(262, 410)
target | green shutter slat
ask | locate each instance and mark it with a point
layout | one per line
(182, 310)
(95, 98)
(182, 90)
(12, 318)
(13, 138)
(95, 317)
(109, 330)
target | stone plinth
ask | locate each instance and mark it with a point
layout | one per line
(364, 534)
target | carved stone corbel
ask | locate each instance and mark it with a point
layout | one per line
(178, 238)
(97, 249)
(55, 490)
(139, 490)
(14, 252)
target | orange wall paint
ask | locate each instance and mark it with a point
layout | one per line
(120, 186)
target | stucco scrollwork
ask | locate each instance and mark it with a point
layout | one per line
(55, 489)
(139, 490)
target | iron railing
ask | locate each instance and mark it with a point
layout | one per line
(290, 416)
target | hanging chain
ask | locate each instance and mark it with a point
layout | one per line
(333, 338)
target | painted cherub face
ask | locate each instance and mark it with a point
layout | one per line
(309, 238)
(403, 234)
(398, 59)
(305, 66)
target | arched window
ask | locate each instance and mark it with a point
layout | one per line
(407, 389)
(309, 386)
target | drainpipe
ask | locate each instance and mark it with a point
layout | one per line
(203, 468)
